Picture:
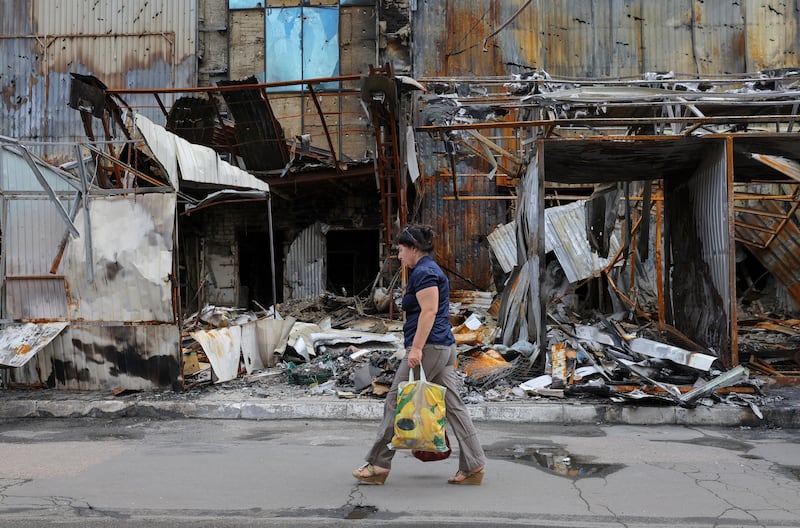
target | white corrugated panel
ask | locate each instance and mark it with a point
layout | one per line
(503, 241)
(710, 199)
(223, 347)
(132, 247)
(305, 264)
(197, 163)
(565, 235)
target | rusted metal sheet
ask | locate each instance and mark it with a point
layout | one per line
(782, 256)
(259, 136)
(602, 38)
(472, 300)
(461, 225)
(699, 250)
(127, 42)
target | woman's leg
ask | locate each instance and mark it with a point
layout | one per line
(471, 455)
(380, 455)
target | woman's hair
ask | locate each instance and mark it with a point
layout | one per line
(418, 236)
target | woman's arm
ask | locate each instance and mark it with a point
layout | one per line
(428, 299)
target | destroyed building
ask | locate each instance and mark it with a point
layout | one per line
(632, 158)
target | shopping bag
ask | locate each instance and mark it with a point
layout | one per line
(433, 456)
(419, 420)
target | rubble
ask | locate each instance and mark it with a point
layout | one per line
(615, 358)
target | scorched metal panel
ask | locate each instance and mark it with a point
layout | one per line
(132, 248)
(88, 357)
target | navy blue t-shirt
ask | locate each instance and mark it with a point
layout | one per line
(424, 275)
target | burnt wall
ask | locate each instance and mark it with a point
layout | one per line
(225, 258)
(694, 303)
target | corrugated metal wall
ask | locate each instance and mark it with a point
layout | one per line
(709, 188)
(31, 230)
(601, 38)
(123, 331)
(461, 225)
(577, 38)
(91, 357)
(305, 276)
(135, 43)
(132, 273)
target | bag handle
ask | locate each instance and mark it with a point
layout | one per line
(421, 374)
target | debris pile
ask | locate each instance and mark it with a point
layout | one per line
(612, 359)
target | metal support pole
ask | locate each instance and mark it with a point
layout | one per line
(272, 255)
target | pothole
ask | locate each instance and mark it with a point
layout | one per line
(558, 461)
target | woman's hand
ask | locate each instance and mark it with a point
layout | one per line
(414, 356)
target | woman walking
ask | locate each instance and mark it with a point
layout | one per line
(429, 340)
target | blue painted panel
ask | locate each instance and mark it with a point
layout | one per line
(284, 39)
(302, 43)
(321, 43)
(246, 4)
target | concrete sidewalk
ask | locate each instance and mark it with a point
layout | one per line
(780, 407)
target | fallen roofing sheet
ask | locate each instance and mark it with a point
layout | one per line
(197, 163)
(20, 342)
(222, 347)
(565, 235)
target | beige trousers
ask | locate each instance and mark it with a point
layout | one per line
(438, 361)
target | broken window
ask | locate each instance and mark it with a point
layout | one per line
(302, 43)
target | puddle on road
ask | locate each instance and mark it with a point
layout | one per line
(361, 512)
(557, 461)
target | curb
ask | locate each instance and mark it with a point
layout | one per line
(535, 413)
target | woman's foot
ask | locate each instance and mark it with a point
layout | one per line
(474, 477)
(369, 474)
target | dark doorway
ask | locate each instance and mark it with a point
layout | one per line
(255, 269)
(352, 261)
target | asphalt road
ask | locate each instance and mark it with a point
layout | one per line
(220, 473)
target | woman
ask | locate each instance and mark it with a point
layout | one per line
(429, 340)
